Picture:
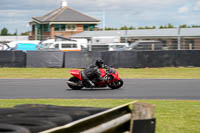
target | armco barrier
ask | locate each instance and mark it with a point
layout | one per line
(45, 59)
(116, 120)
(187, 58)
(125, 59)
(12, 59)
(80, 59)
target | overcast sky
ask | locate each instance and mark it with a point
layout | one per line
(15, 14)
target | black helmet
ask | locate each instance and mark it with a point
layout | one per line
(99, 63)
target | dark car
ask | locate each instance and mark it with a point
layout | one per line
(147, 45)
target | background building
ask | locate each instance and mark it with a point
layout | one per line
(173, 38)
(63, 21)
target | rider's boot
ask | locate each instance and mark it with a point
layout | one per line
(91, 84)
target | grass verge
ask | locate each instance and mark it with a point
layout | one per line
(173, 116)
(168, 72)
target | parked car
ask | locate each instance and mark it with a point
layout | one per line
(117, 46)
(1, 46)
(22, 45)
(13, 44)
(61, 45)
(147, 45)
(26, 46)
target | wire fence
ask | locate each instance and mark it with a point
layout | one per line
(147, 45)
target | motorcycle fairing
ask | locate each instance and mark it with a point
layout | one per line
(103, 73)
(76, 73)
(115, 76)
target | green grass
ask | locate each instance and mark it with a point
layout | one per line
(169, 72)
(173, 116)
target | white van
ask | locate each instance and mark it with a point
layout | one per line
(63, 46)
(82, 41)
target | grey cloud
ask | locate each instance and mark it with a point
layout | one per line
(123, 4)
(27, 4)
(131, 12)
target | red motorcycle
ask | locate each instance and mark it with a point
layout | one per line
(110, 75)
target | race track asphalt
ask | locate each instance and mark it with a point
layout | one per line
(132, 89)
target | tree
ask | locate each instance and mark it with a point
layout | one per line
(166, 26)
(4, 31)
(124, 28)
(154, 27)
(140, 28)
(161, 27)
(25, 33)
(131, 28)
(195, 26)
(170, 26)
(184, 26)
(109, 28)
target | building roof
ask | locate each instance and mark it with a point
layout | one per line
(65, 14)
(174, 32)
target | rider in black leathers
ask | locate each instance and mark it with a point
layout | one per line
(92, 74)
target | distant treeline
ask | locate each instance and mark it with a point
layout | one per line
(4, 31)
(152, 27)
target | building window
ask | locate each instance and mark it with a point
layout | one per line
(46, 28)
(56, 45)
(89, 27)
(59, 27)
(70, 27)
(69, 45)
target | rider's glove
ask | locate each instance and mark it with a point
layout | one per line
(106, 66)
(105, 78)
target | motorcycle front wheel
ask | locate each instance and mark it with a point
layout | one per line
(76, 81)
(116, 85)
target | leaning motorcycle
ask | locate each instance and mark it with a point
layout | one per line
(110, 75)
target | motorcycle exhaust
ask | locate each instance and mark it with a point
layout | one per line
(72, 83)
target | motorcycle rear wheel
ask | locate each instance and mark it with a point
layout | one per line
(116, 85)
(75, 80)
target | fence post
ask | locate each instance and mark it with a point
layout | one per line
(179, 38)
(143, 118)
(190, 46)
(153, 47)
(90, 47)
